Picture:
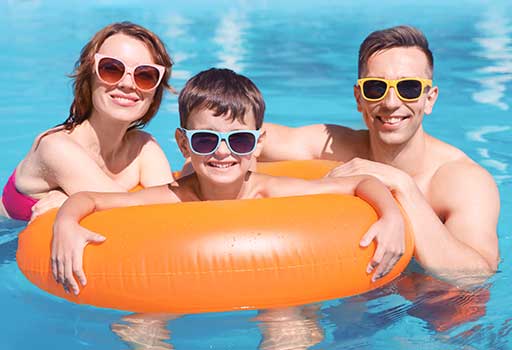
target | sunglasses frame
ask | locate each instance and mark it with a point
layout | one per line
(128, 70)
(222, 136)
(392, 83)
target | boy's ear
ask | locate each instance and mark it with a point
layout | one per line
(260, 144)
(182, 142)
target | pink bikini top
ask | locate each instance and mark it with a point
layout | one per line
(18, 205)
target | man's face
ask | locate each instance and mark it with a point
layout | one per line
(392, 121)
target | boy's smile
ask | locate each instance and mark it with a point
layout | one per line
(223, 170)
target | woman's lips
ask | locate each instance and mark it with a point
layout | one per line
(124, 100)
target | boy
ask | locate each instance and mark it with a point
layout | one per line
(221, 113)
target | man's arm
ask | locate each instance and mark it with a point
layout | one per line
(388, 231)
(318, 141)
(457, 240)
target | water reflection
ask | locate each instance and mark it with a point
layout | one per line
(229, 36)
(280, 329)
(496, 45)
(436, 306)
(448, 315)
(481, 136)
(9, 230)
(178, 29)
(145, 331)
(290, 328)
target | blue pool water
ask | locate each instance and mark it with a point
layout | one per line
(303, 57)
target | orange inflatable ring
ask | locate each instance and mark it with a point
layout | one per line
(220, 255)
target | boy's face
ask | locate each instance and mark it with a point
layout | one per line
(222, 166)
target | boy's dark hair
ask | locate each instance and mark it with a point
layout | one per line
(400, 36)
(224, 92)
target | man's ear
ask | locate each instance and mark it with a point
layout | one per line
(432, 94)
(358, 97)
(260, 144)
(182, 142)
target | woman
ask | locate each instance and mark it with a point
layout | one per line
(119, 81)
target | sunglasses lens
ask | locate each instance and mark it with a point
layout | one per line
(242, 142)
(146, 77)
(110, 70)
(409, 89)
(204, 142)
(374, 89)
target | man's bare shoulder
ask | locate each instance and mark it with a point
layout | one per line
(458, 179)
(447, 159)
(345, 143)
(317, 141)
(463, 172)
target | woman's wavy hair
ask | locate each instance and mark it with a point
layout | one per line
(81, 108)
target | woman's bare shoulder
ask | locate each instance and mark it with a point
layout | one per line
(54, 142)
(140, 137)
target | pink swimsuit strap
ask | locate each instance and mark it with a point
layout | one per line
(18, 205)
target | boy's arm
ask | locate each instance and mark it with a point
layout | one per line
(70, 239)
(388, 230)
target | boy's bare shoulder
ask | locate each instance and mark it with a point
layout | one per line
(185, 188)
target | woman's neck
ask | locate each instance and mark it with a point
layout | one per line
(101, 137)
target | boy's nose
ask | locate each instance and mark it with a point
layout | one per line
(223, 149)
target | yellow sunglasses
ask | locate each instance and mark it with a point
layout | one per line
(407, 89)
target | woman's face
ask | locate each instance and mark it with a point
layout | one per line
(122, 101)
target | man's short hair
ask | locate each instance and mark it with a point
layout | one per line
(224, 92)
(400, 36)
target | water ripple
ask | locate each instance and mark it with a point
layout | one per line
(496, 48)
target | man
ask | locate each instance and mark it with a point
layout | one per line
(452, 202)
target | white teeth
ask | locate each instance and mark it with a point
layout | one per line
(392, 120)
(220, 165)
(122, 99)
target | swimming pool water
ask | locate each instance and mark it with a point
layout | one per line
(303, 56)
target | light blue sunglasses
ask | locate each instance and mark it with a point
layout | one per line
(206, 142)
